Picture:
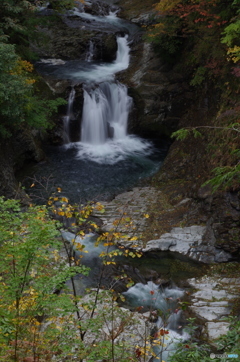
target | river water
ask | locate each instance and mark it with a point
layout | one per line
(106, 161)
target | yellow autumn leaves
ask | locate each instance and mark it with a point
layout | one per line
(22, 67)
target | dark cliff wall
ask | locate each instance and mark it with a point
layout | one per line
(15, 152)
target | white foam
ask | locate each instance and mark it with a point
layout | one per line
(105, 71)
(53, 61)
(112, 151)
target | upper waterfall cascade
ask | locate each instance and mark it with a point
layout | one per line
(98, 73)
(106, 108)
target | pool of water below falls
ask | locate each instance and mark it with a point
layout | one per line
(83, 180)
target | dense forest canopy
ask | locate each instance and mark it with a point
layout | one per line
(210, 27)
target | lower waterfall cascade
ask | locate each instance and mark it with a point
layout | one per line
(105, 113)
(67, 118)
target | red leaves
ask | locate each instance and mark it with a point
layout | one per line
(201, 12)
(161, 333)
(138, 352)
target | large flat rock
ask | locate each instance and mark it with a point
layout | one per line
(128, 213)
(190, 241)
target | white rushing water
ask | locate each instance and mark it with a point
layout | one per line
(67, 118)
(105, 112)
(91, 249)
(90, 53)
(106, 108)
(104, 126)
(110, 19)
(153, 297)
(105, 71)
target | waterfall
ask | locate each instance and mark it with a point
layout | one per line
(69, 116)
(105, 113)
(122, 59)
(90, 53)
(106, 108)
(94, 126)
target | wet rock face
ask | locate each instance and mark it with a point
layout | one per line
(195, 241)
(98, 8)
(106, 47)
(69, 43)
(160, 95)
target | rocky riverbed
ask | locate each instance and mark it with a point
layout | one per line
(211, 297)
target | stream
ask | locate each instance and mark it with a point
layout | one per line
(106, 161)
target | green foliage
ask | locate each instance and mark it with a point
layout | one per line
(196, 133)
(62, 4)
(199, 76)
(181, 134)
(40, 110)
(18, 104)
(30, 269)
(167, 44)
(36, 322)
(226, 344)
(231, 39)
(16, 15)
(168, 48)
(224, 176)
(231, 33)
(12, 14)
(191, 32)
(230, 343)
